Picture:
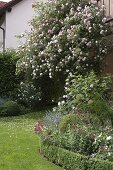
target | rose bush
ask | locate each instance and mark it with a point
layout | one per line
(66, 37)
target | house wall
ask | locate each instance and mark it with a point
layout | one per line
(1, 35)
(109, 7)
(1, 40)
(17, 22)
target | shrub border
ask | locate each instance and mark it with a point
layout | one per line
(73, 161)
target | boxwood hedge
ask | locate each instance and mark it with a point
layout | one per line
(74, 161)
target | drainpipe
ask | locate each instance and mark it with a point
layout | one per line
(3, 38)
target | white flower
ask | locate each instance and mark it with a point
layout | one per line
(89, 15)
(97, 14)
(89, 28)
(79, 8)
(109, 153)
(70, 74)
(91, 85)
(90, 102)
(67, 83)
(63, 102)
(59, 103)
(55, 41)
(64, 96)
(103, 51)
(106, 147)
(67, 71)
(89, 44)
(103, 6)
(66, 88)
(109, 138)
(102, 31)
(21, 83)
(59, 50)
(54, 109)
(100, 135)
(84, 59)
(93, 155)
(93, 1)
(104, 20)
(62, 7)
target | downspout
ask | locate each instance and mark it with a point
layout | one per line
(3, 38)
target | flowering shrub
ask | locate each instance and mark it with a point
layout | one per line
(89, 94)
(39, 127)
(28, 94)
(69, 120)
(66, 37)
(103, 144)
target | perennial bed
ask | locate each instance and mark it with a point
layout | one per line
(74, 161)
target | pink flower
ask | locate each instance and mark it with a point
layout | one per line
(38, 127)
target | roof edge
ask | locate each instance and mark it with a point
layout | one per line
(9, 5)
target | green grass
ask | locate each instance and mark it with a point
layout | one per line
(19, 145)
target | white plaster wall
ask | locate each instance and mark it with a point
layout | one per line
(1, 36)
(17, 22)
(1, 39)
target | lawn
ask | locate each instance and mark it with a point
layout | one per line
(19, 144)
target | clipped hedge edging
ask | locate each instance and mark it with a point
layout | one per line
(74, 161)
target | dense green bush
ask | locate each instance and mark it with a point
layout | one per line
(8, 79)
(67, 159)
(67, 121)
(10, 108)
(73, 161)
(96, 164)
(89, 94)
(92, 94)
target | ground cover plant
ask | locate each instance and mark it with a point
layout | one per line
(19, 144)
